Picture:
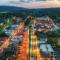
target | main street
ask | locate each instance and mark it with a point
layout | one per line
(35, 53)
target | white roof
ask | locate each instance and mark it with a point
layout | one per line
(41, 41)
(42, 18)
(14, 25)
(47, 48)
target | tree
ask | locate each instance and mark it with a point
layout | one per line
(1, 29)
(52, 41)
(53, 34)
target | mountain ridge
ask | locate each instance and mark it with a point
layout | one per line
(21, 9)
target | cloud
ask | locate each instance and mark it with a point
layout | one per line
(37, 4)
(31, 3)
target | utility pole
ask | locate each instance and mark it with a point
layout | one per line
(29, 41)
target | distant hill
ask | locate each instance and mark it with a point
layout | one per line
(11, 9)
(20, 9)
(38, 11)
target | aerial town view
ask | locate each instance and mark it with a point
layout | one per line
(30, 30)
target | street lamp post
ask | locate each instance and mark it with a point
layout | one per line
(29, 40)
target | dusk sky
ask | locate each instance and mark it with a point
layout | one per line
(31, 3)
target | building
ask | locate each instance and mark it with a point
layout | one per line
(46, 50)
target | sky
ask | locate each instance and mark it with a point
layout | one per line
(31, 3)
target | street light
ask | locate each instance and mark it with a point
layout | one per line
(29, 40)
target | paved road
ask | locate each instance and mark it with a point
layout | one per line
(22, 48)
(35, 53)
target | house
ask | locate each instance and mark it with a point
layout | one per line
(46, 50)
